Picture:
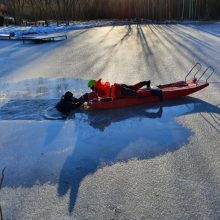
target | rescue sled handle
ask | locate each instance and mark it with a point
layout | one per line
(208, 68)
(199, 68)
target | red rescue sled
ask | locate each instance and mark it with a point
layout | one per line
(169, 91)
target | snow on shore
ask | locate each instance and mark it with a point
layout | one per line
(54, 28)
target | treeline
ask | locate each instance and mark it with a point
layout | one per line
(65, 10)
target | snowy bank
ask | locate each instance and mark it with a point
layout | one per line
(54, 28)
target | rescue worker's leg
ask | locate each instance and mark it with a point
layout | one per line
(126, 91)
(139, 85)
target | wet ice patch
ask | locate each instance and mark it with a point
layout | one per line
(42, 88)
(33, 109)
(29, 99)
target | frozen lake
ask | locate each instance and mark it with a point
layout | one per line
(145, 162)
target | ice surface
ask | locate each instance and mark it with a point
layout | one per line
(35, 149)
(100, 161)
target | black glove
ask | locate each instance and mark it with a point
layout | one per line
(85, 97)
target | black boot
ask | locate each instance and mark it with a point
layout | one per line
(148, 84)
(157, 93)
(161, 96)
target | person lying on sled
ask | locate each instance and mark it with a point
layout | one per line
(116, 90)
(119, 90)
(69, 103)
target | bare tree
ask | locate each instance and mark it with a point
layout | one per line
(207, 9)
(66, 10)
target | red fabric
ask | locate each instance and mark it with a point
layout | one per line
(116, 91)
(92, 95)
(102, 89)
(144, 92)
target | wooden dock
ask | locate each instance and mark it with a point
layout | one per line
(37, 38)
(7, 36)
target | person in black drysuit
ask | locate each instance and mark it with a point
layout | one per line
(69, 103)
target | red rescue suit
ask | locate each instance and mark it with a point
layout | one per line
(100, 90)
(115, 91)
